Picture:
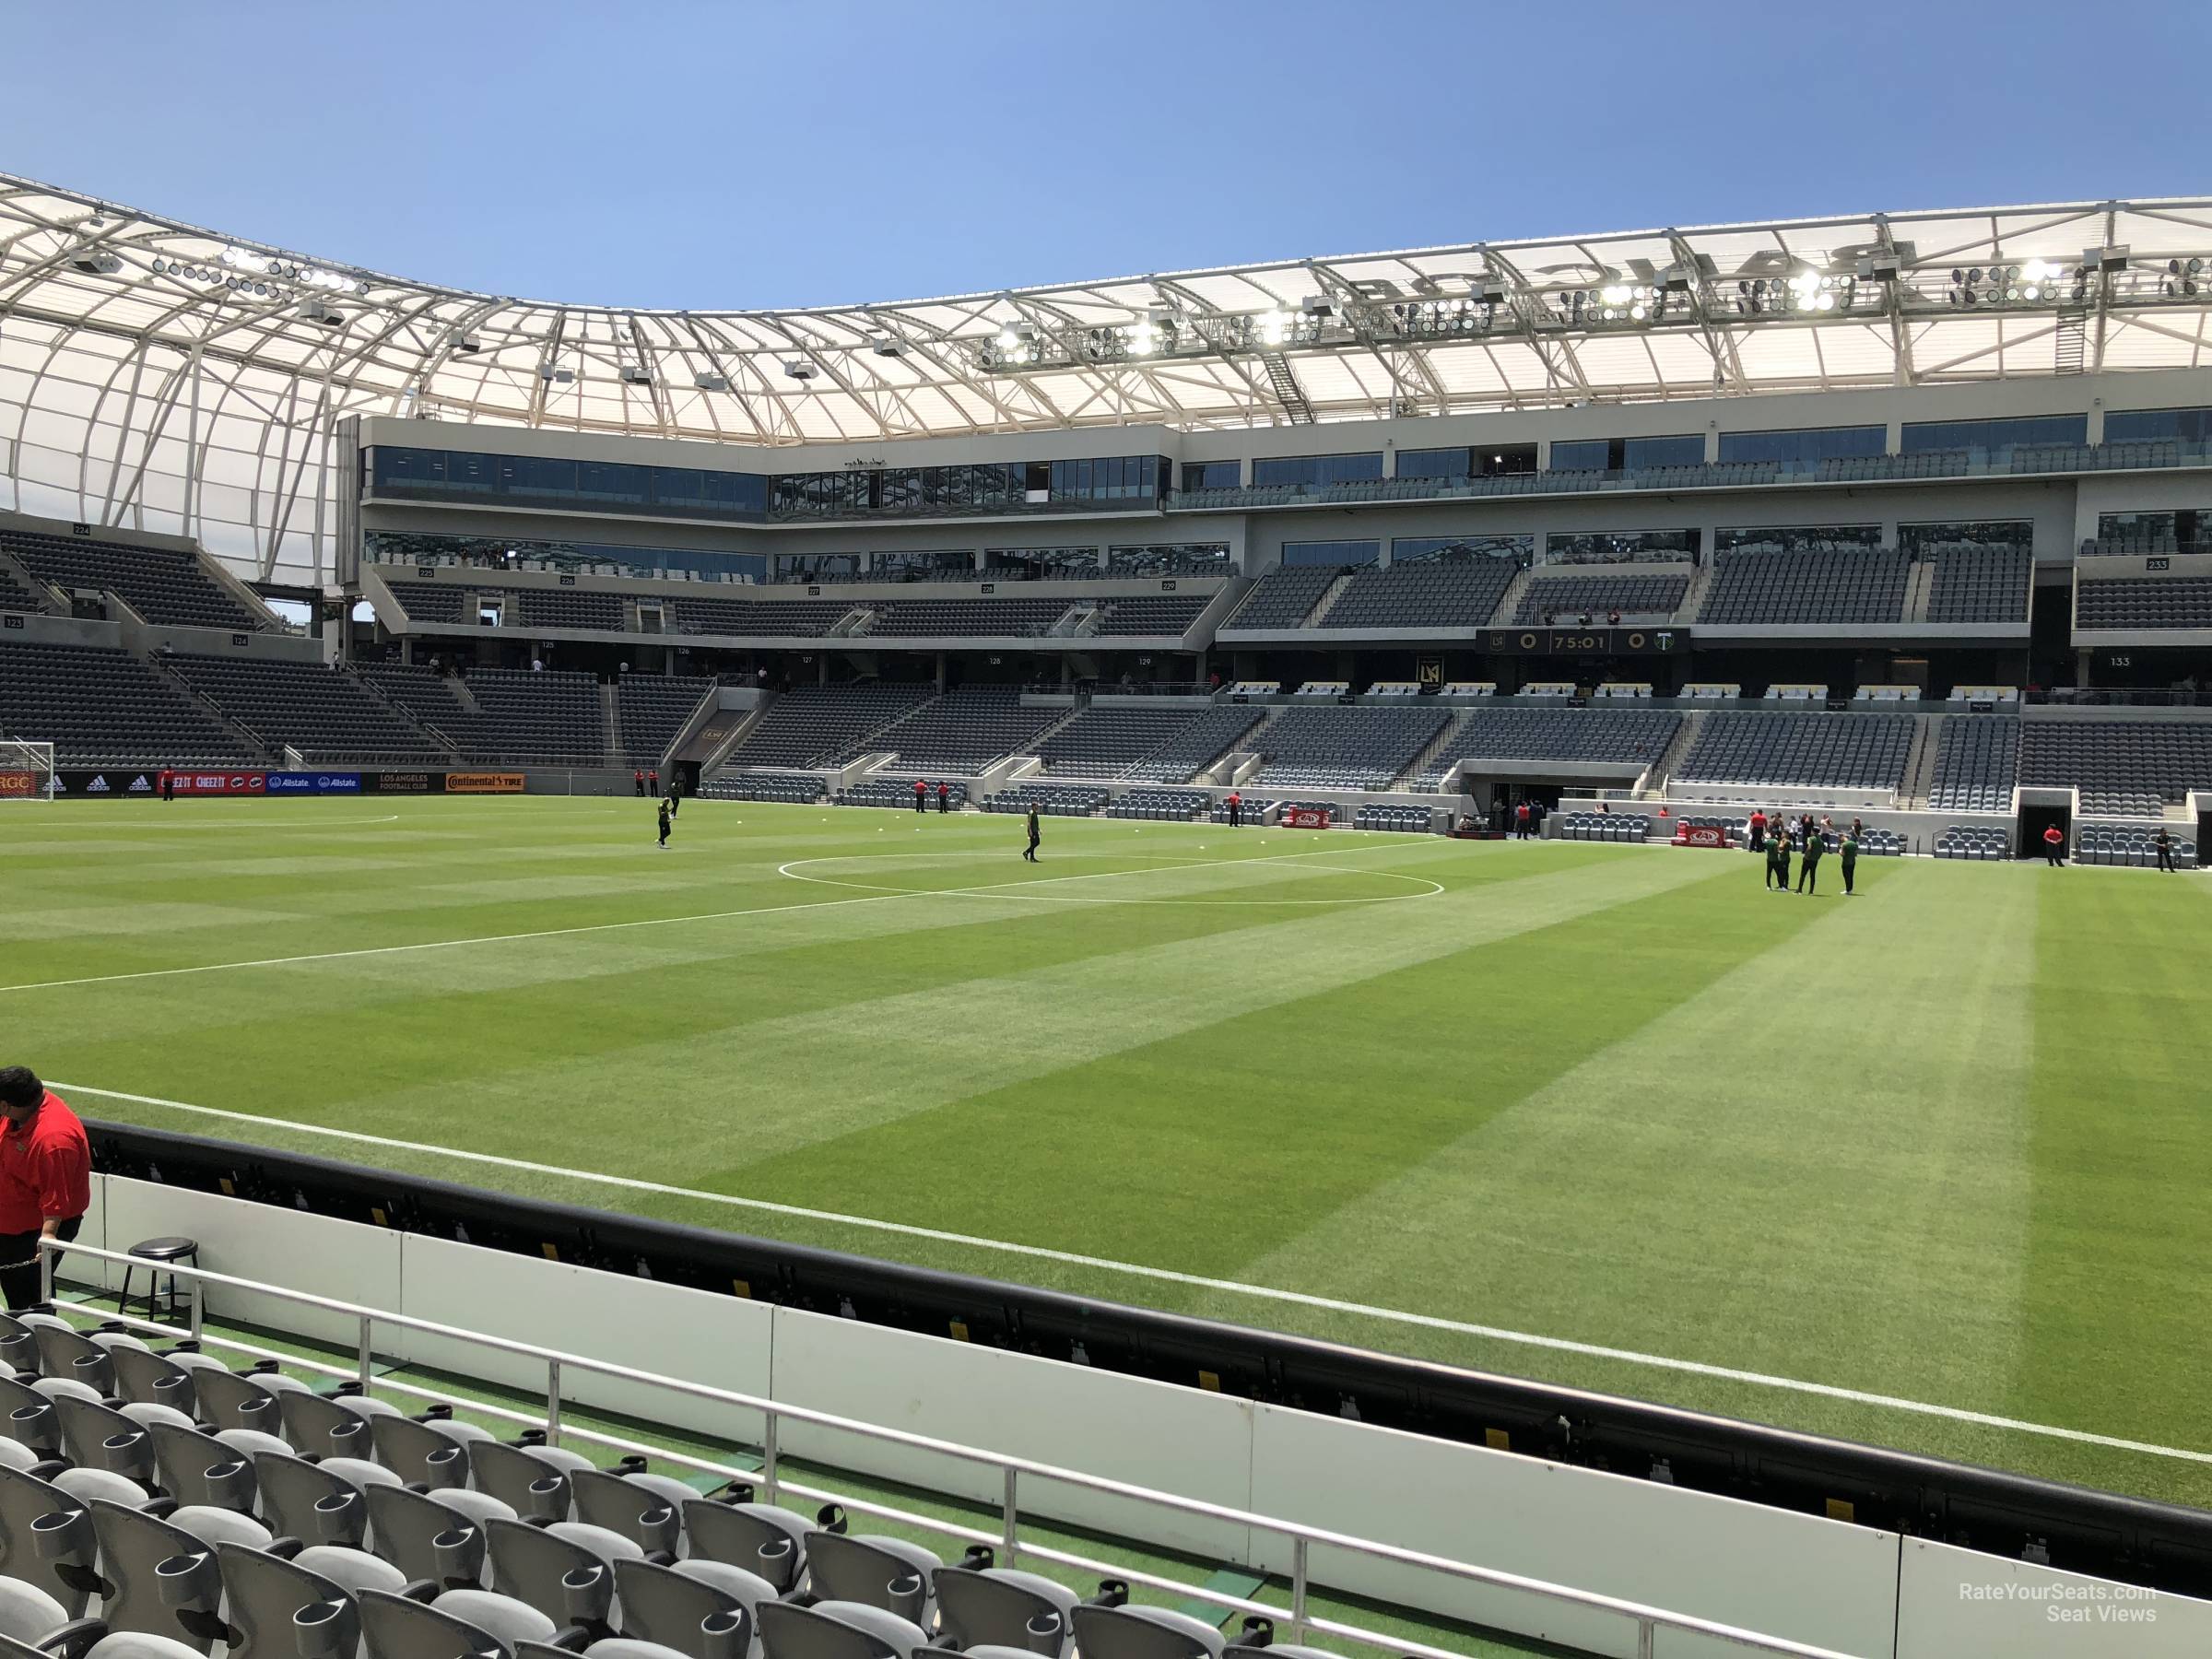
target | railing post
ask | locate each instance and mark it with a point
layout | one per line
(552, 1402)
(365, 1362)
(1298, 1589)
(767, 1456)
(199, 1308)
(1647, 1639)
(1009, 1534)
(45, 1274)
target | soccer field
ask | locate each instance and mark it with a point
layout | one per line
(1929, 1167)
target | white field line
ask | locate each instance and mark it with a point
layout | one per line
(1169, 1275)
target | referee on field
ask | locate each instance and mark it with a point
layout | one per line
(45, 1179)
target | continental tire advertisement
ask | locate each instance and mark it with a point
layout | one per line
(500, 783)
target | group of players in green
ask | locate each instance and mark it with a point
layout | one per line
(1778, 838)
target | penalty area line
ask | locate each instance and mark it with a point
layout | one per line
(1172, 1277)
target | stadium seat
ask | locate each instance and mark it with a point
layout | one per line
(759, 1538)
(980, 1603)
(837, 1630)
(1142, 1632)
(867, 1570)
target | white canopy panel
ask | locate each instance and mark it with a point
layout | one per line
(156, 373)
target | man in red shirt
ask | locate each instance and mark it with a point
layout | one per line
(2055, 846)
(45, 1179)
(169, 785)
(1235, 809)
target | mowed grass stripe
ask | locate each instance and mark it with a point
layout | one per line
(1817, 1206)
(2121, 1228)
(1205, 1101)
(634, 1000)
(749, 1082)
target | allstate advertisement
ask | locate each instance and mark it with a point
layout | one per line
(314, 782)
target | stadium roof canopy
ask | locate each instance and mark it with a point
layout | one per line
(129, 342)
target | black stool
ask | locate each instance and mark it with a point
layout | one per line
(155, 1254)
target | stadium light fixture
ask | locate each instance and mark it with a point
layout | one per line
(1272, 325)
(711, 383)
(96, 262)
(886, 346)
(637, 374)
(798, 369)
(463, 344)
(1144, 339)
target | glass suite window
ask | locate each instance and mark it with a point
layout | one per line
(1331, 552)
(1805, 446)
(1923, 435)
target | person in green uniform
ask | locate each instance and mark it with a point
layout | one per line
(1850, 855)
(1029, 851)
(1781, 862)
(1816, 847)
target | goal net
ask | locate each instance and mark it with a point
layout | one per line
(26, 770)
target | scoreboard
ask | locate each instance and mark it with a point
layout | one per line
(1585, 641)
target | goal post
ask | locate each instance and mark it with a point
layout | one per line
(26, 770)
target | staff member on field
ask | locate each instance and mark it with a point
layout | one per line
(1850, 855)
(45, 1179)
(1808, 873)
(1029, 851)
(2055, 846)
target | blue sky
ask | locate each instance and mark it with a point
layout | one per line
(746, 155)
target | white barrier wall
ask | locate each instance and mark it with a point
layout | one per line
(1800, 1576)
(341, 1259)
(1953, 1601)
(1150, 1434)
(721, 1341)
(1849, 1588)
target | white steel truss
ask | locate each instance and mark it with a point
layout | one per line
(162, 376)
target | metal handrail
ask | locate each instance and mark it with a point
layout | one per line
(1649, 1619)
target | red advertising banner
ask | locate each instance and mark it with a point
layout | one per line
(222, 783)
(1701, 835)
(14, 784)
(1305, 818)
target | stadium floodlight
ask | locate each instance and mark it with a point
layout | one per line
(1144, 338)
(886, 346)
(1273, 325)
(711, 383)
(315, 311)
(798, 369)
(96, 262)
(2098, 261)
(555, 377)
(637, 374)
(1008, 340)
(463, 344)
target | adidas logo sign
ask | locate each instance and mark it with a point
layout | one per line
(98, 786)
(139, 785)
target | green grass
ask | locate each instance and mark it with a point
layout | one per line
(1945, 1141)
